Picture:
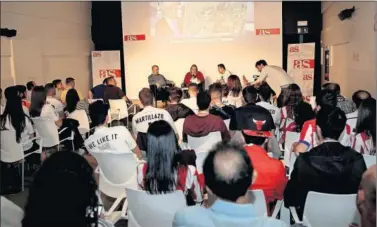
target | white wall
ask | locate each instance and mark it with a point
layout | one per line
(353, 45)
(53, 41)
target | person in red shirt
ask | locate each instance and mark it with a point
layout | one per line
(194, 76)
(270, 173)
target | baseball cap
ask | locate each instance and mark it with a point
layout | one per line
(258, 122)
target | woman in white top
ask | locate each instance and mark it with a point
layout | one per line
(14, 119)
(235, 91)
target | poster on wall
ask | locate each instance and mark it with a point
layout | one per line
(301, 66)
(106, 64)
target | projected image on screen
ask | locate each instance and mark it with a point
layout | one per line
(201, 20)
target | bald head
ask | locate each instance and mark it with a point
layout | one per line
(366, 198)
(359, 96)
(228, 171)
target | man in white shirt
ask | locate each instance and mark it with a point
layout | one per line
(358, 97)
(54, 102)
(191, 102)
(223, 74)
(109, 140)
(150, 114)
(265, 94)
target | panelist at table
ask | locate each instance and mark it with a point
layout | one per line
(194, 76)
(158, 84)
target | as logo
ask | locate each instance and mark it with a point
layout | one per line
(104, 73)
(96, 54)
(303, 64)
(307, 77)
(294, 49)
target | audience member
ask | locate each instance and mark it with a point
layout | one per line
(271, 176)
(15, 120)
(225, 93)
(346, 105)
(30, 85)
(158, 83)
(366, 198)
(191, 101)
(194, 76)
(98, 92)
(116, 139)
(39, 108)
(365, 138)
(66, 179)
(265, 93)
(74, 103)
(228, 172)
(328, 168)
(203, 123)
(357, 98)
(218, 108)
(177, 110)
(59, 87)
(69, 84)
(52, 100)
(164, 170)
(223, 74)
(150, 114)
(21, 89)
(235, 91)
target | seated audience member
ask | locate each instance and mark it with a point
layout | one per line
(59, 87)
(203, 123)
(52, 100)
(73, 103)
(177, 110)
(150, 114)
(16, 121)
(365, 138)
(366, 198)
(295, 111)
(346, 105)
(328, 168)
(218, 108)
(271, 175)
(194, 76)
(164, 170)
(1, 101)
(228, 172)
(69, 84)
(326, 100)
(21, 89)
(30, 85)
(357, 98)
(191, 102)
(225, 93)
(223, 74)
(11, 214)
(66, 179)
(98, 92)
(39, 108)
(235, 91)
(265, 94)
(119, 139)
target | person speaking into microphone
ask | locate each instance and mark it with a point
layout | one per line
(194, 76)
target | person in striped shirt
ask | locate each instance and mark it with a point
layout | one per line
(365, 139)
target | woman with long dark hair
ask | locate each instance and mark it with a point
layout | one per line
(73, 102)
(63, 193)
(15, 120)
(164, 170)
(235, 91)
(365, 138)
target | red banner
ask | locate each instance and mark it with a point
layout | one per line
(134, 37)
(268, 31)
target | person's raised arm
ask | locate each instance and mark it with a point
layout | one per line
(260, 79)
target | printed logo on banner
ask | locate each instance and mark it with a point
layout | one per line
(104, 73)
(134, 37)
(303, 64)
(96, 54)
(268, 31)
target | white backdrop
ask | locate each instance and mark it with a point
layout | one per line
(177, 35)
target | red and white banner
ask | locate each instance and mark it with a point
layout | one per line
(106, 64)
(301, 66)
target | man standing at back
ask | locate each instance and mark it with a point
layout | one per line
(69, 84)
(98, 92)
(228, 172)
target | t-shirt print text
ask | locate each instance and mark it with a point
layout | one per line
(150, 117)
(103, 142)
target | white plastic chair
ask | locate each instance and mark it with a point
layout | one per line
(116, 172)
(82, 118)
(290, 138)
(205, 143)
(179, 126)
(47, 130)
(257, 198)
(118, 109)
(200, 157)
(146, 210)
(227, 122)
(90, 101)
(328, 210)
(11, 151)
(369, 160)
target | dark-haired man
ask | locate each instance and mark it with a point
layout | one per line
(177, 110)
(223, 74)
(203, 123)
(344, 104)
(328, 168)
(54, 102)
(115, 139)
(98, 92)
(69, 84)
(228, 172)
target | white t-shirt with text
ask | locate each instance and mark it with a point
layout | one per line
(274, 110)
